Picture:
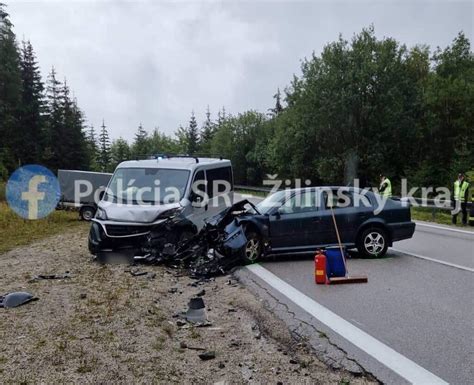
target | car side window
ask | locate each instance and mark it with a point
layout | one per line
(344, 198)
(338, 199)
(199, 182)
(300, 203)
(217, 178)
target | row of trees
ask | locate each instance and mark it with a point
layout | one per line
(361, 108)
(39, 123)
(191, 139)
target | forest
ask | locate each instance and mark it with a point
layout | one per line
(362, 107)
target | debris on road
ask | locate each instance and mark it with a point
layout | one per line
(41, 277)
(15, 299)
(196, 312)
(104, 316)
(207, 356)
(215, 250)
(184, 345)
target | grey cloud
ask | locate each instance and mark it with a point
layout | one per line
(154, 62)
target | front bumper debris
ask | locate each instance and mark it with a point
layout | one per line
(216, 249)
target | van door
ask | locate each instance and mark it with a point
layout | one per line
(199, 208)
(220, 189)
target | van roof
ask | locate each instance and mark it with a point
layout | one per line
(184, 163)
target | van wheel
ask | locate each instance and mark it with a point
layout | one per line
(87, 213)
(372, 242)
(253, 247)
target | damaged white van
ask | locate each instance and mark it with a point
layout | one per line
(144, 194)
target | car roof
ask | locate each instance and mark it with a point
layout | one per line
(312, 188)
(181, 163)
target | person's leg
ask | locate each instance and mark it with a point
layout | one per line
(455, 211)
(464, 213)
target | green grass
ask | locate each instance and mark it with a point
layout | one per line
(16, 231)
(255, 193)
(427, 214)
(2, 191)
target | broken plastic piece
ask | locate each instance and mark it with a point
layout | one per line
(196, 311)
(207, 356)
(40, 277)
(16, 299)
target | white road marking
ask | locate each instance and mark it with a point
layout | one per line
(393, 360)
(444, 228)
(434, 260)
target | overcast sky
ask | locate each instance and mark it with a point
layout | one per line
(155, 62)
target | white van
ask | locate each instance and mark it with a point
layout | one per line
(144, 193)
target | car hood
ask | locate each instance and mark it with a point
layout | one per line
(135, 213)
(225, 216)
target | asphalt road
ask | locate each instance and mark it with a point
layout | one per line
(423, 309)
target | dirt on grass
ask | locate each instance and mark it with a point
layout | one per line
(104, 325)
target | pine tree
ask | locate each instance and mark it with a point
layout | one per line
(140, 145)
(104, 149)
(192, 135)
(54, 148)
(31, 122)
(182, 139)
(278, 107)
(120, 151)
(92, 148)
(207, 133)
(221, 117)
(10, 93)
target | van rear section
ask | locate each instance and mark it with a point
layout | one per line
(81, 190)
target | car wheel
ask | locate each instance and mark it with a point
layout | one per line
(87, 213)
(253, 247)
(373, 242)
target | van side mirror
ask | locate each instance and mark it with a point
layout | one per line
(101, 195)
(195, 198)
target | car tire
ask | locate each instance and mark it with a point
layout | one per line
(253, 247)
(87, 213)
(372, 242)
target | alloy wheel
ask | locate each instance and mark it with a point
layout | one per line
(374, 243)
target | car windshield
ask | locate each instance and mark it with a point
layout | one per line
(274, 200)
(147, 185)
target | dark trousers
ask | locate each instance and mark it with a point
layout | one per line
(463, 206)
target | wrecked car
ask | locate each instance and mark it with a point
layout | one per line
(173, 192)
(300, 221)
(220, 245)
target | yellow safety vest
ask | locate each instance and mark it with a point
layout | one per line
(388, 189)
(460, 190)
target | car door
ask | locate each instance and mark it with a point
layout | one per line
(289, 225)
(350, 211)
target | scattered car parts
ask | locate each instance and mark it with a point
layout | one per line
(15, 299)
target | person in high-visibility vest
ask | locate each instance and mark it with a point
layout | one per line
(385, 188)
(461, 193)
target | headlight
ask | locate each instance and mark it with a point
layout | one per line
(170, 213)
(101, 214)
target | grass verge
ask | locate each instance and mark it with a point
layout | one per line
(2, 191)
(428, 214)
(260, 194)
(16, 231)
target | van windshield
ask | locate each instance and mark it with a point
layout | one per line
(147, 185)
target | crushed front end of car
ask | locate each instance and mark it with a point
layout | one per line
(217, 248)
